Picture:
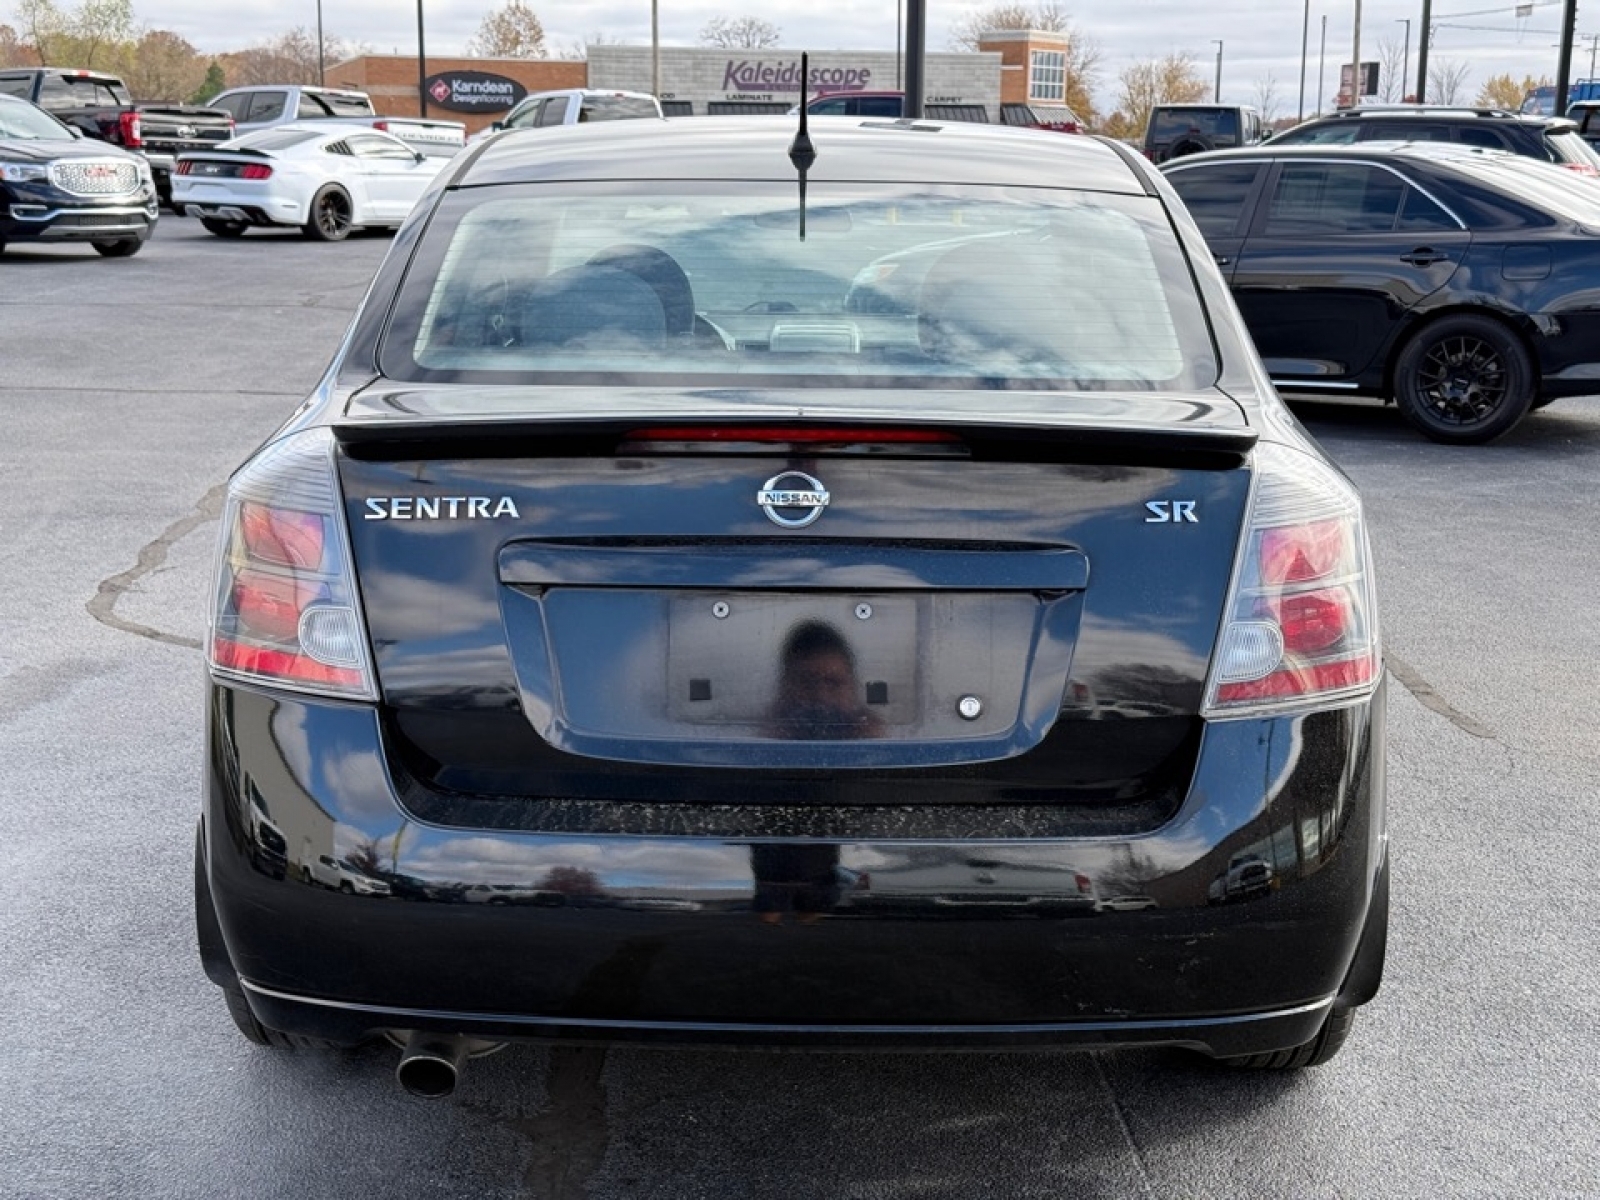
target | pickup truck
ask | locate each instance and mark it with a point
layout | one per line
(99, 106)
(261, 106)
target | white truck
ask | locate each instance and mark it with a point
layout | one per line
(260, 106)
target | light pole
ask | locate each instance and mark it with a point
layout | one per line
(1322, 62)
(422, 67)
(898, 41)
(322, 65)
(1305, 42)
(1405, 58)
(655, 50)
(1216, 95)
(1355, 59)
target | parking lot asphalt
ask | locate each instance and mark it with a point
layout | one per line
(129, 390)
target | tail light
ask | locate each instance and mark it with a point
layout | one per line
(1302, 624)
(129, 129)
(184, 167)
(255, 171)
(1582, 168)
(285, 611)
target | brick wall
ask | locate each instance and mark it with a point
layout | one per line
(391, 81)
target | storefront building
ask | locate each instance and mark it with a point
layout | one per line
(1010, 68)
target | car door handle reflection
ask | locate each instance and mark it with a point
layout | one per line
(1222, 260)
(1423, 256)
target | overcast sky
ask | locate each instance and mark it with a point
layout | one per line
(1260, 37)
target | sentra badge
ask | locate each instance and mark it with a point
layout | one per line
(792, 499)
(439, 508)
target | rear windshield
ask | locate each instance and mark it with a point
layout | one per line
(893, 285)
(1568, 146)
(1171, 123)
(617, 108)
(275, 139)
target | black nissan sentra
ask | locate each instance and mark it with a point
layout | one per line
(843, 588)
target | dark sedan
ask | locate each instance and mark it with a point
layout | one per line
(1462, 284)
(808, 574)
(55, 186)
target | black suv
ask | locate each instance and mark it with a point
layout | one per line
(57, 185)
(1554, 139)
(1175, 130)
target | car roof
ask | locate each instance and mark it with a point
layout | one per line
(1382, 112)
(1435, 151)
(847, 149)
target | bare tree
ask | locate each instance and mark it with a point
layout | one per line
(967, 31)
(163, 66)
(289, 58)
(511, 31)
(1083, 53)
(579, 51)
(1392, 86)
(1447, 80)
(740, 33)
(1267, 98)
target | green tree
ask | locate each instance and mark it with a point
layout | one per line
(740, 33)
(511, 31)
(215, 81)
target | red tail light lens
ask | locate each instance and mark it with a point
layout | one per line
(1302, 623)
(255, 171)
(285, 611)
(128, 127)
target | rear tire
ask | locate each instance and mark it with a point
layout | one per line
(331, 216)
(1464, 380)
(258, 1034)
(1327, 1042)
(223, 229)
(120, 248)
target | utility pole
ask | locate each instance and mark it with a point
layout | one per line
(1355, 58)
(1569, 27)
(1423, 38)
(1405, 58)
(1216, 94)
(916, 56)
(655, 54)
(422, 67)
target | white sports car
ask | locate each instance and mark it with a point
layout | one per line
(327, 181)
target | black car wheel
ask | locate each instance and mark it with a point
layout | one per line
(223, 229)
(1335, 1029)
(1464, 380)
(330, 216)
(120, 248)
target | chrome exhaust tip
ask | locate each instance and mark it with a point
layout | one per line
(430, 1063)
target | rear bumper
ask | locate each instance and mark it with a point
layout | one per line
(810, 942)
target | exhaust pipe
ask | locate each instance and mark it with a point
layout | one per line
(430, 1063)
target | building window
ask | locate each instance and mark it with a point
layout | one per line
(1047, 77)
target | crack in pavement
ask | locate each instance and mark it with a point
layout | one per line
(103, 605)
(1411, 679)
